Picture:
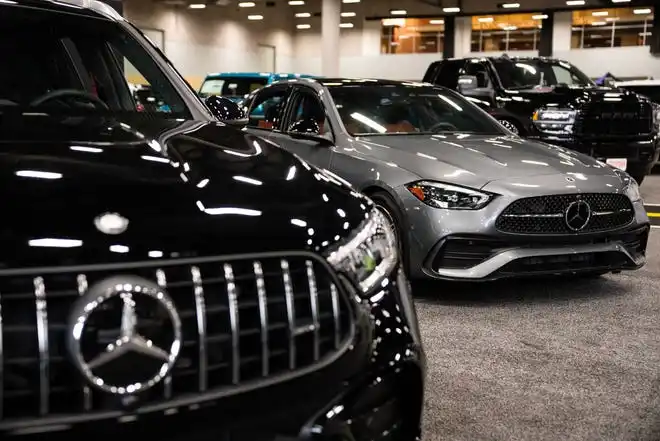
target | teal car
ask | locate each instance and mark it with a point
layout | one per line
(236, 85)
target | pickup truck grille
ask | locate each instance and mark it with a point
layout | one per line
(243, 319)
(603, 120)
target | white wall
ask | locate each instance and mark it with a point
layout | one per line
(216, 38)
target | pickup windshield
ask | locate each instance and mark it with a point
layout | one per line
(391, 109)
(69, 62)
(530, 73)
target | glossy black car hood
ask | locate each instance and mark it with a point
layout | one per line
(186, 188)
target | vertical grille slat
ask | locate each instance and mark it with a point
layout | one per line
(233, 321)
(290, 312)
(263, 315)
(82, 283)
(42, 336)
(200, 313)
(161, 279)
(243, 320)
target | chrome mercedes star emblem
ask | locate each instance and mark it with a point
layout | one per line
(117, 300)
(577, 215)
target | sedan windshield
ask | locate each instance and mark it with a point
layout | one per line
(76, 63)
(384, 109)
(231, 86)
(527, 74)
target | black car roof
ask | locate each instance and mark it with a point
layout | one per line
(349, 81)
(88, 8)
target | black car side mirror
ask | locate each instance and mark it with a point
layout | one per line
(308, 129)
(227, 111)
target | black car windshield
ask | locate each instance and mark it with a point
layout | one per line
(527, 74)
(384, 109)
(69, 62)
(231, 86)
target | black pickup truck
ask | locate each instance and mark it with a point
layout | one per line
(553, 101)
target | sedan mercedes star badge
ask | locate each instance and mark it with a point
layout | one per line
(129, 362)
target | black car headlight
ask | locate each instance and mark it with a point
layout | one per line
(451, 197)
(554, 121)
(370, 254)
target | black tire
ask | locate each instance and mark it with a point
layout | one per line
(388, 207)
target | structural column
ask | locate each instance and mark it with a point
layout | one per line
(330, 14)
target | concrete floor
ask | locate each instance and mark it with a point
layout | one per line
(547, 359)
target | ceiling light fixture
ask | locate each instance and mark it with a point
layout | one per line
(574, 2)
(255, 17)
(451, 9)
(510, 28)
(347, 14)
(598, 23)
(620, 1)
(398, 12)
(303, 26)
(345, 25)
(600, 13)
(510, 5)
(485, 19)
(197, 6)
(539, 17)
(303, 15)
(612, 19)
(246, 4)
(296, 2)
(642, 11)
(350, 1)
(437, 22)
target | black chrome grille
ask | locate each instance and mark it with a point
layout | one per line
(243, 320)
(546, 214)
(612, 119)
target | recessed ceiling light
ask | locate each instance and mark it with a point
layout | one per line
(620, 1)
(398, 11)
(452, 9)
(598, 23)
(642, 11)
(510, 28)
(197, 6)
(296, 2)
(246, 5)
(510, 5)
(255, 17)
(539, 17)
(348, 14)
(38, 174)
(350, 1)
(600, 13)
(574, 2)
(612, 19)
(345, 25)
(485, 19)
(437, 21)
(303, 26)
(303, 15)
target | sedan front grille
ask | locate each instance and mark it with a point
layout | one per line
(243, 320)
(547, 214)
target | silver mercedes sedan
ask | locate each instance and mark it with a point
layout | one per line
(469, 199)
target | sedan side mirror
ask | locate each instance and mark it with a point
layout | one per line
(467, 82)
(308, 129)
(227, 111)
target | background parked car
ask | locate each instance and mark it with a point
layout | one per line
(237, 85)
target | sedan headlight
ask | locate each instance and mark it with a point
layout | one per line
(370, 254)
(452, 197)
(632, 190)
(554, 121)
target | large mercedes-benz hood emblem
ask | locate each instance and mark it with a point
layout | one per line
(578, 215)
(106, 339)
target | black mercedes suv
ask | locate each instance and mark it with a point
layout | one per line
(553, 101)
(167, 275)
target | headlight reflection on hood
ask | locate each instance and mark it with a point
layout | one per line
(370, 255)
(452, 197)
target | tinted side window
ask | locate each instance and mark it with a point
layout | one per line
(267, 108)
(308, 106)
(480, 71)
(448, 75)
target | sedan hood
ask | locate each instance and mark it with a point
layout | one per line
(475, 160)
(186, 189)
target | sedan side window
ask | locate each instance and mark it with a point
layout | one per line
(267, 109)
(309, 106)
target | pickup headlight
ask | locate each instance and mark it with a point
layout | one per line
(452, 197)
(371, 253)
(554, 121)
(632, 190)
